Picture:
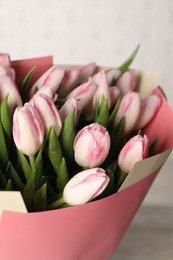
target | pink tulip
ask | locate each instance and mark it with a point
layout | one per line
(87, 71)
(91, 145)
(103, 88)
(136, 149)
(48, 112)
(7, 72)
(46, 90)
(130, 107)
(114, 95)
(127, 82)
(5, 60)
(85, 186)
(68, 83)
(84, 94)
(52, 78)
(112, 74)
(28, 132)
(7, 86)
(150, 106)
(67, 107)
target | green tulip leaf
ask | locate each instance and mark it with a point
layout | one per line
(67, 136)
(38, 169)
(29, 191)
(9, 186)
(103, 114)
(54, 150)
(24, 85)
(40, 199)
(62, 177)
(25, 164)
(14, 176)
(113, 114)
(6, 121)
(124, 67)
(3, 181)
(50, 189)
(4, 158)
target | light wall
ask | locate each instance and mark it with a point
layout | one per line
(105, 31)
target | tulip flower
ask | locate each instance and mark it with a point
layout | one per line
(136, 149)
(91, 145)
(5, 60)
(127, 82)
(84, 94)
(28, 132)
(52, 78)
(87, 71)
(103, 88)
(48, 112)
(150, 106)
(130, 107)
(68, 83)
(112, 75)
(8, 86)
(67, 107)
(85, 186)
(7, 72)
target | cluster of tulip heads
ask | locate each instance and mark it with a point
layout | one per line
(72, 136)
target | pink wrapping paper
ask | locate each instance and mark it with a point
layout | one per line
(91, 231)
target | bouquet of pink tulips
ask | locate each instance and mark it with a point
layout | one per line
(74, 135)
(71, 135)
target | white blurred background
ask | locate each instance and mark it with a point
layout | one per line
(105, 31)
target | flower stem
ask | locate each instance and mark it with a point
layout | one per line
(121, 179)
(32, 162)
(56, 204)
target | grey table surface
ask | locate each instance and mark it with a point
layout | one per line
(149, 236)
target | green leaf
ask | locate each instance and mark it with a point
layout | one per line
(54, 150)
(124, 67)
(40, 199)
(9, 186)
(67, 136)
(103, 114)
(50, 190)
(6, 121)
(62, 177)
(23, 88)
(39, 169)
(25, 164)
(29, 190)
(113, 114)
(152, 147)
(3, 181)
(14, 176)
(4, 158)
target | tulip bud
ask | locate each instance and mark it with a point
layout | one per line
(86, 71)
(5, 60)
(28, 130)
(112, 75)
(52, 77)
(48, 112)
(130, 107)
(68, 83)
(127, 82)
(150, 106)
(67, 107)
(136, 149)
(85, 186)
(91, 145)
(103, 88)
(7, 72)
(7, 86)
(84, 94)
(114, 95)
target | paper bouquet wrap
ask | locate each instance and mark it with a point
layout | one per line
(93, 230)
